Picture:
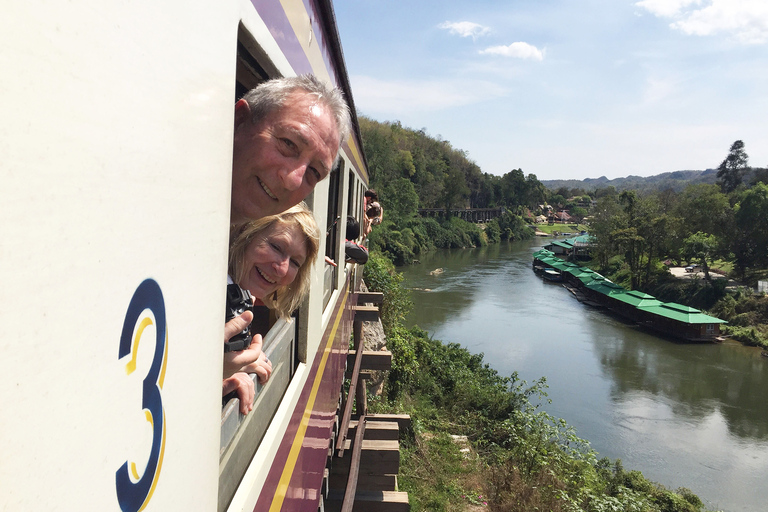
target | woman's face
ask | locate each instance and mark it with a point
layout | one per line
(273, 259)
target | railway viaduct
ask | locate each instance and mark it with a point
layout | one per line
(467, 214)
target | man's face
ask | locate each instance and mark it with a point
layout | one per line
(278, 161)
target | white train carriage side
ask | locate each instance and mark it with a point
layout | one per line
(116, 126)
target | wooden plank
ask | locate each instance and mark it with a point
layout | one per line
(372, 501)
(403, 420)
(370, 297)
(378, 430)
(378, 457)
(366, 482)
(379, 360)
(357, 330)
(354, 468)
(366, 313)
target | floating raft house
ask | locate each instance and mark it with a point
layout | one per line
(668, 318)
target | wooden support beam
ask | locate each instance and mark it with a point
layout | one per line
(357, 336)
(403, 420)
(372, 360)
(370, 297)
(373, 501)
(365, 482)
(366, 313)
(354, 468)
(377, 430)
(378, 457)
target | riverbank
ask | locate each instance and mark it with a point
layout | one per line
(684, 415)
(523, 459)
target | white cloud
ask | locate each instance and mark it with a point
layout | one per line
(398, 97)
(465, 28)
(745, 20)
(517, 50)
(666, 8)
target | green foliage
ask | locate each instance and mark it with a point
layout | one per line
(747, 315)
(751, 242)
(493, 232)
(526, 460)
(522, 459)
(380, 276)
(731, 171)
(423, 234)
(400, 200)
(442, 176)
(513, 227)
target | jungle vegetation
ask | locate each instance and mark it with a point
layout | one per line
(719, 226)
(516, 457)
(519, 457)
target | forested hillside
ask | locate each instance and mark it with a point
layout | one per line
(411, 170)
(440, 175)
(676, 181)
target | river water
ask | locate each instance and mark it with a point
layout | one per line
(686, 415)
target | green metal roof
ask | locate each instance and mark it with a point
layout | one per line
(682, 313)
(588, 278)
(637, 298)
(606, 287)
(640, 300)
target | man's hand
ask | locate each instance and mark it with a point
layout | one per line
(242, 383)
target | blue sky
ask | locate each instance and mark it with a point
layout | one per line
(567, 88)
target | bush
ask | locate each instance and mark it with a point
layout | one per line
(380, 276)
(526, 460)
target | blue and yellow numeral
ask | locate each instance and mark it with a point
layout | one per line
(133, 490)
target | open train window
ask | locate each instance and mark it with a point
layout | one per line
(239, 438)
(334, 233)
(253, 65)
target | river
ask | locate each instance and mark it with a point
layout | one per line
(686, 415)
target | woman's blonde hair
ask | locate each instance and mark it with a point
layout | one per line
(286, 298)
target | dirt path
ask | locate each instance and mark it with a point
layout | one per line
(680, 273)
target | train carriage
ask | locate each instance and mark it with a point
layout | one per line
(116, 125)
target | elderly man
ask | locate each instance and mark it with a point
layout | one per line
(288, 132)
(287, 136)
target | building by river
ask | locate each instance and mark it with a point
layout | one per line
(668, 318)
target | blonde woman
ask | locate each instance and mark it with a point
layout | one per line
(271, 258)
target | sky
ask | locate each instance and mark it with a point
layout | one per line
(567, 89)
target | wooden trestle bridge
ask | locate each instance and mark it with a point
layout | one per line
(467, 214)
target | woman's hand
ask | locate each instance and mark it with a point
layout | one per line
(261, 367)
(235, 361)
(242, 383)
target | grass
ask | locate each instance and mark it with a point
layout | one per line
(561, 228)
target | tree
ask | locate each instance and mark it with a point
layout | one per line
(578, 213)
(751, 247)
(704, 208)
(702, 247)
(605, 216)
(731, 171)
(400, 200)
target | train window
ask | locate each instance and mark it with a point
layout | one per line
(352, 199)
(334, 234)
(240, 439)
(253, 66)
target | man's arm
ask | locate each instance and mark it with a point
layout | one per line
(356, 253)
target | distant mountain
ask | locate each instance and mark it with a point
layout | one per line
(676, 181)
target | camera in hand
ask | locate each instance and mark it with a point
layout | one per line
(238, 300)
